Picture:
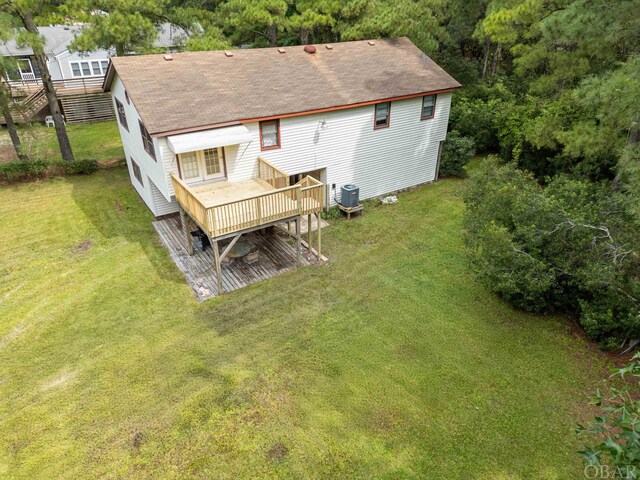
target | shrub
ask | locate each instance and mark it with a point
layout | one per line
(79, 167)
(20, 170)
(572, 245)
(614, 430)
(23, 170)
(476, 119)
(456, 153)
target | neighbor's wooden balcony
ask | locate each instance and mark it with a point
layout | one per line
(222, 209)
(70, 86)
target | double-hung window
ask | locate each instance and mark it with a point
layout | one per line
(89, 68)
(428, 107)
(136, 171)
(147, 141)
(122, 116)
(382, 114)
(270, 134)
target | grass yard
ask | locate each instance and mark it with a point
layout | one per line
(93, 141)
(391, 362)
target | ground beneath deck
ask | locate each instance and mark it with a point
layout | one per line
(276, 255)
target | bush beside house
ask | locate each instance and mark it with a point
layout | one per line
(456, 153)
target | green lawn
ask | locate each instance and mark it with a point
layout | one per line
(96, 141)
(390, 362)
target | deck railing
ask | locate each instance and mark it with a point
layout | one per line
(68, 86)
(312, 192)
(305, 197)
(272, 175)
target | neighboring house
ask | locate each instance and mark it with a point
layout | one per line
(77, 77)
(66, 65)
(369, 113)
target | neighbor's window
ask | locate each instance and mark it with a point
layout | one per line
(382, 115)
(122, 115)
(270, 134)
(428, 107)
(147, 141)
(136, 171)
(89, 68)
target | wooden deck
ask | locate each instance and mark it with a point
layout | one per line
(218, 193)
(277, 254)
(224, 208)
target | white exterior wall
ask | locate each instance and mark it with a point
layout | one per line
(153, 172)
(378, 161)
(349, 149)
(64, 61)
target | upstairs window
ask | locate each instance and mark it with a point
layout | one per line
(270, 134)
(147, 141)
(428, 107)
(382, 114)
(89, 68)
(122, 116)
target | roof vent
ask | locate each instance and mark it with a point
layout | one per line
(310, 49)
(371, 42)
(168, 57)
(282, 50)
(329, 47)
(228, 53)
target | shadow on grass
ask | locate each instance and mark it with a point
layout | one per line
(114, 208)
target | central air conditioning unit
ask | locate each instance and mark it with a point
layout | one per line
(349, 196)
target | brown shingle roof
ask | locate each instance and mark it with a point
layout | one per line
(200, 89)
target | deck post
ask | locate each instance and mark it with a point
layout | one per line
(298, 243)
(309, 231)
(319, 235)
(216, 259)
(186, 230)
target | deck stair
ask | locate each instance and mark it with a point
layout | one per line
(24, 110)
(81, 99)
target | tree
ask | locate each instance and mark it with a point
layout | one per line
(314, 19)
(255, 21)
(6, 99)
(417, 19)
(124, 25)
(24, 12)
(5, 102)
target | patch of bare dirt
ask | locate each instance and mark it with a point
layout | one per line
(136, 441)
(84, 246)
(277, 452)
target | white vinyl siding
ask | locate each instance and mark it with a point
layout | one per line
(133, 148)
(347, 147)
(160, 204)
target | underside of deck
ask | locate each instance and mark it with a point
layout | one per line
(276, 255)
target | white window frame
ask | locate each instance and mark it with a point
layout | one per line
(103, 64)
(200, 159)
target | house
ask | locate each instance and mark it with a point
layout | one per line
(74, 74)
(233, 139)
